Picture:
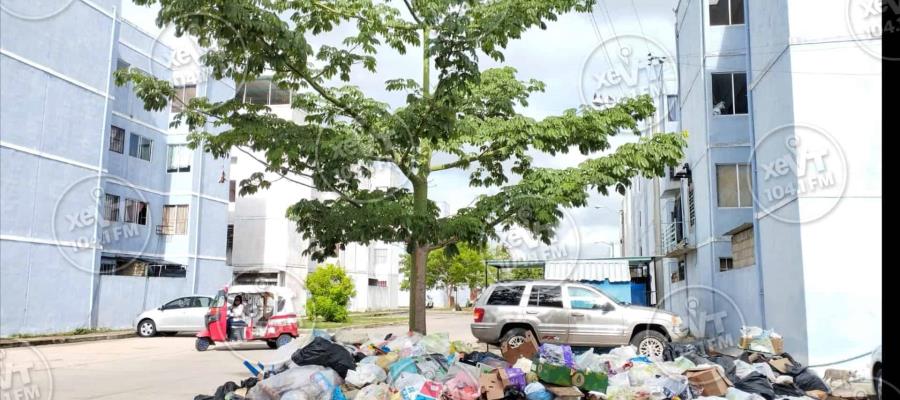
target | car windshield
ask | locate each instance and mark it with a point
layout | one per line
(219, 301)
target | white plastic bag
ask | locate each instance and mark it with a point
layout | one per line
(737, 394)
(378, 391)
(314, 381)
(365, 374)
(590, 361)
(436, 343)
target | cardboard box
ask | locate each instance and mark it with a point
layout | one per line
(781, 364)
(564, 376)
(527, 349)
(777, 344)
(491, 385)
(564, 392)
(709, 379)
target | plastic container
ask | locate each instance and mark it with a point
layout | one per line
(516, 378)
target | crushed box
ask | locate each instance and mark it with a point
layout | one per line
(709, 379)
(527, 349)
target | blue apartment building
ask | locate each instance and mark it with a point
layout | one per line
(104, 211)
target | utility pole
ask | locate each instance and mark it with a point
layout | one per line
(656, 60)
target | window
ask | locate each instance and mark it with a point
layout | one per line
(256, 92)
(117, 139)
(263, 91)
(140, 147)
(175, 219)
(726, 264)
(381, 256)
(107, 266)
(229, 238)
(545, 296)
(166, 271)
(584, 299)
(672, 108)
(135, 212)
(179, 158)
(373, 282)
(232, 191)
(733, 185)
(183, 94)
(726, 12)
(111, 208)
(183, 302)
(679, 274)
(204, 301)
(279, 96)
(506, 296)
(729, 93)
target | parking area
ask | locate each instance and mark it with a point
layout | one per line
(159, 367)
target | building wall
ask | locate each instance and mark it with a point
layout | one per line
(58, 103)
(824, 60)
(789, 282)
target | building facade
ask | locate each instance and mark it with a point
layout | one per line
(762, 222)
(264, 246)
(101, 201)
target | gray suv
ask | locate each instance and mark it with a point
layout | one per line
(572, 313)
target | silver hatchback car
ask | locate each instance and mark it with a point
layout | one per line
(571, 313)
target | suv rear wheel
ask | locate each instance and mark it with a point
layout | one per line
(649, 343)
(515, 337)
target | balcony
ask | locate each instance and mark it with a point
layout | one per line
(675, 241)
(671, 184)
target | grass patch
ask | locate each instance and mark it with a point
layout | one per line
(353, 320)
(76, 332)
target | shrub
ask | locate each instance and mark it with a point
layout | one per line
(331, 290)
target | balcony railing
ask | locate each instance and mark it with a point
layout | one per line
(165, 229)
(674, 239)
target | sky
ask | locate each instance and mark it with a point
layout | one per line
(577, 56)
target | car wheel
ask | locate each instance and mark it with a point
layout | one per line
(514, 337)
(271, 344)
(649, 343)
(146, 328)
(282, 340)
(201, 344)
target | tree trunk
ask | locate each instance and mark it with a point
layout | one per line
(450, 300)
(417, 291)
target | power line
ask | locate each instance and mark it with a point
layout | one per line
(603, 47)
(641, 26)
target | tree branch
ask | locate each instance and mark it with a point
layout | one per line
(412, 12)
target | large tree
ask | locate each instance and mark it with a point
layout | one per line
(454, 107)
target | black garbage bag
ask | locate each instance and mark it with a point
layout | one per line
(756, 383)
(727, 362)
(675, 350)
(807, 381)
(789, 390)
(223, 390)
(323, 352)
(476, 357)
(513, 393)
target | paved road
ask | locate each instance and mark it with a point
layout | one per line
(151, 368)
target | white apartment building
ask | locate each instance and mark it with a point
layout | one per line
(263, 244)
(774, 217)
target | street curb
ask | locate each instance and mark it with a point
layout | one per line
(41, 341)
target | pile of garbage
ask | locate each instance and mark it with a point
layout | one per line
(350, 366)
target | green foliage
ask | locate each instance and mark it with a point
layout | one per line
(465, 111)
(331, 290)
(446, 269)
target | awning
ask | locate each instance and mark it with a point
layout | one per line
(595, 270)
(139, 258)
